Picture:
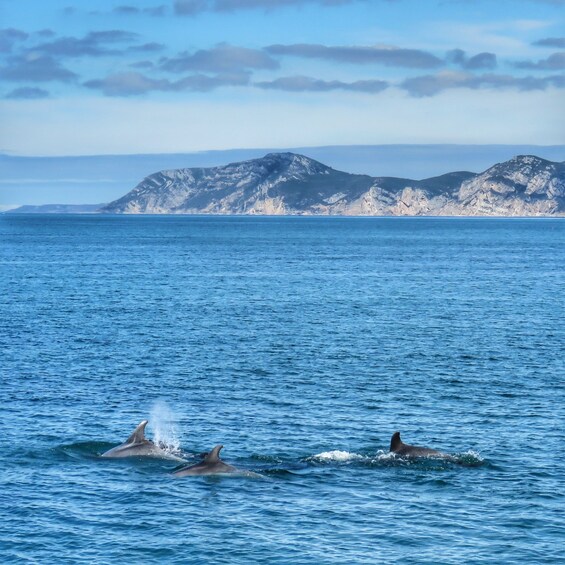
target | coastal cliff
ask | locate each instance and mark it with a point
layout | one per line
(291, 184)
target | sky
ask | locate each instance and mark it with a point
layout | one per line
(172, 76)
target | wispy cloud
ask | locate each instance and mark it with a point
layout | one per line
(142, 65)
(388, 56)
(309, 84)
(127, 84)
(430, 85)
(94, 44)
(45, 33)
(135, 84)
(222, 58)
(151, 47)
(33, 67)
(27, 93)
(194, 7)
(480, 61)
(205, 83)
(128, 10)
(557, 42)
(10, 36)
(554, 62)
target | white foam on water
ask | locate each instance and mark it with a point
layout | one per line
(475, 454)
(384, 456)
(470, 456)
(163, 423)
(336, 455)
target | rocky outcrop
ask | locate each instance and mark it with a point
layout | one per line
(286, 183)
(523, 186)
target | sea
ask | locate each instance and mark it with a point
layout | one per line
(300, 344)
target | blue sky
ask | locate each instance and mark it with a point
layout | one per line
(162, 76)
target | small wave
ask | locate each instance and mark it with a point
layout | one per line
(284, 472)
(427, 463)
(384, 456)
(470, 458)
(249, 474)
(467, 459)
(266, 458)
(335, 455)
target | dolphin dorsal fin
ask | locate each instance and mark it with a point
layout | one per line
(138, 435)
(214, 455)
(395, 441)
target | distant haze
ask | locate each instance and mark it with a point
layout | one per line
(103, 178)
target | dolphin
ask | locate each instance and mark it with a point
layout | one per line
(211, 464)
(137, 445)
(405, 450)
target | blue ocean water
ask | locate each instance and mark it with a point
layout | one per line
(301, 345)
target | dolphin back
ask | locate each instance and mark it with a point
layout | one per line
(210, 465)
(214, 455)
(403, 449)
(138, 435)
(137, 445)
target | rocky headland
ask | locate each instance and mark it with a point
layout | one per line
(292, 184)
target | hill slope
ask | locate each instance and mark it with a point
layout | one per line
(287, 183)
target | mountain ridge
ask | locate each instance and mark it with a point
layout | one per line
(293, 184)
(55, 209)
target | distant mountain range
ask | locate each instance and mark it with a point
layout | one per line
(57, 209)
(105, 178)
(292, 184)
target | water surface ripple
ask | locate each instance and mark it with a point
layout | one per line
(301, 344)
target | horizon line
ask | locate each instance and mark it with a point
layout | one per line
(7, 153)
